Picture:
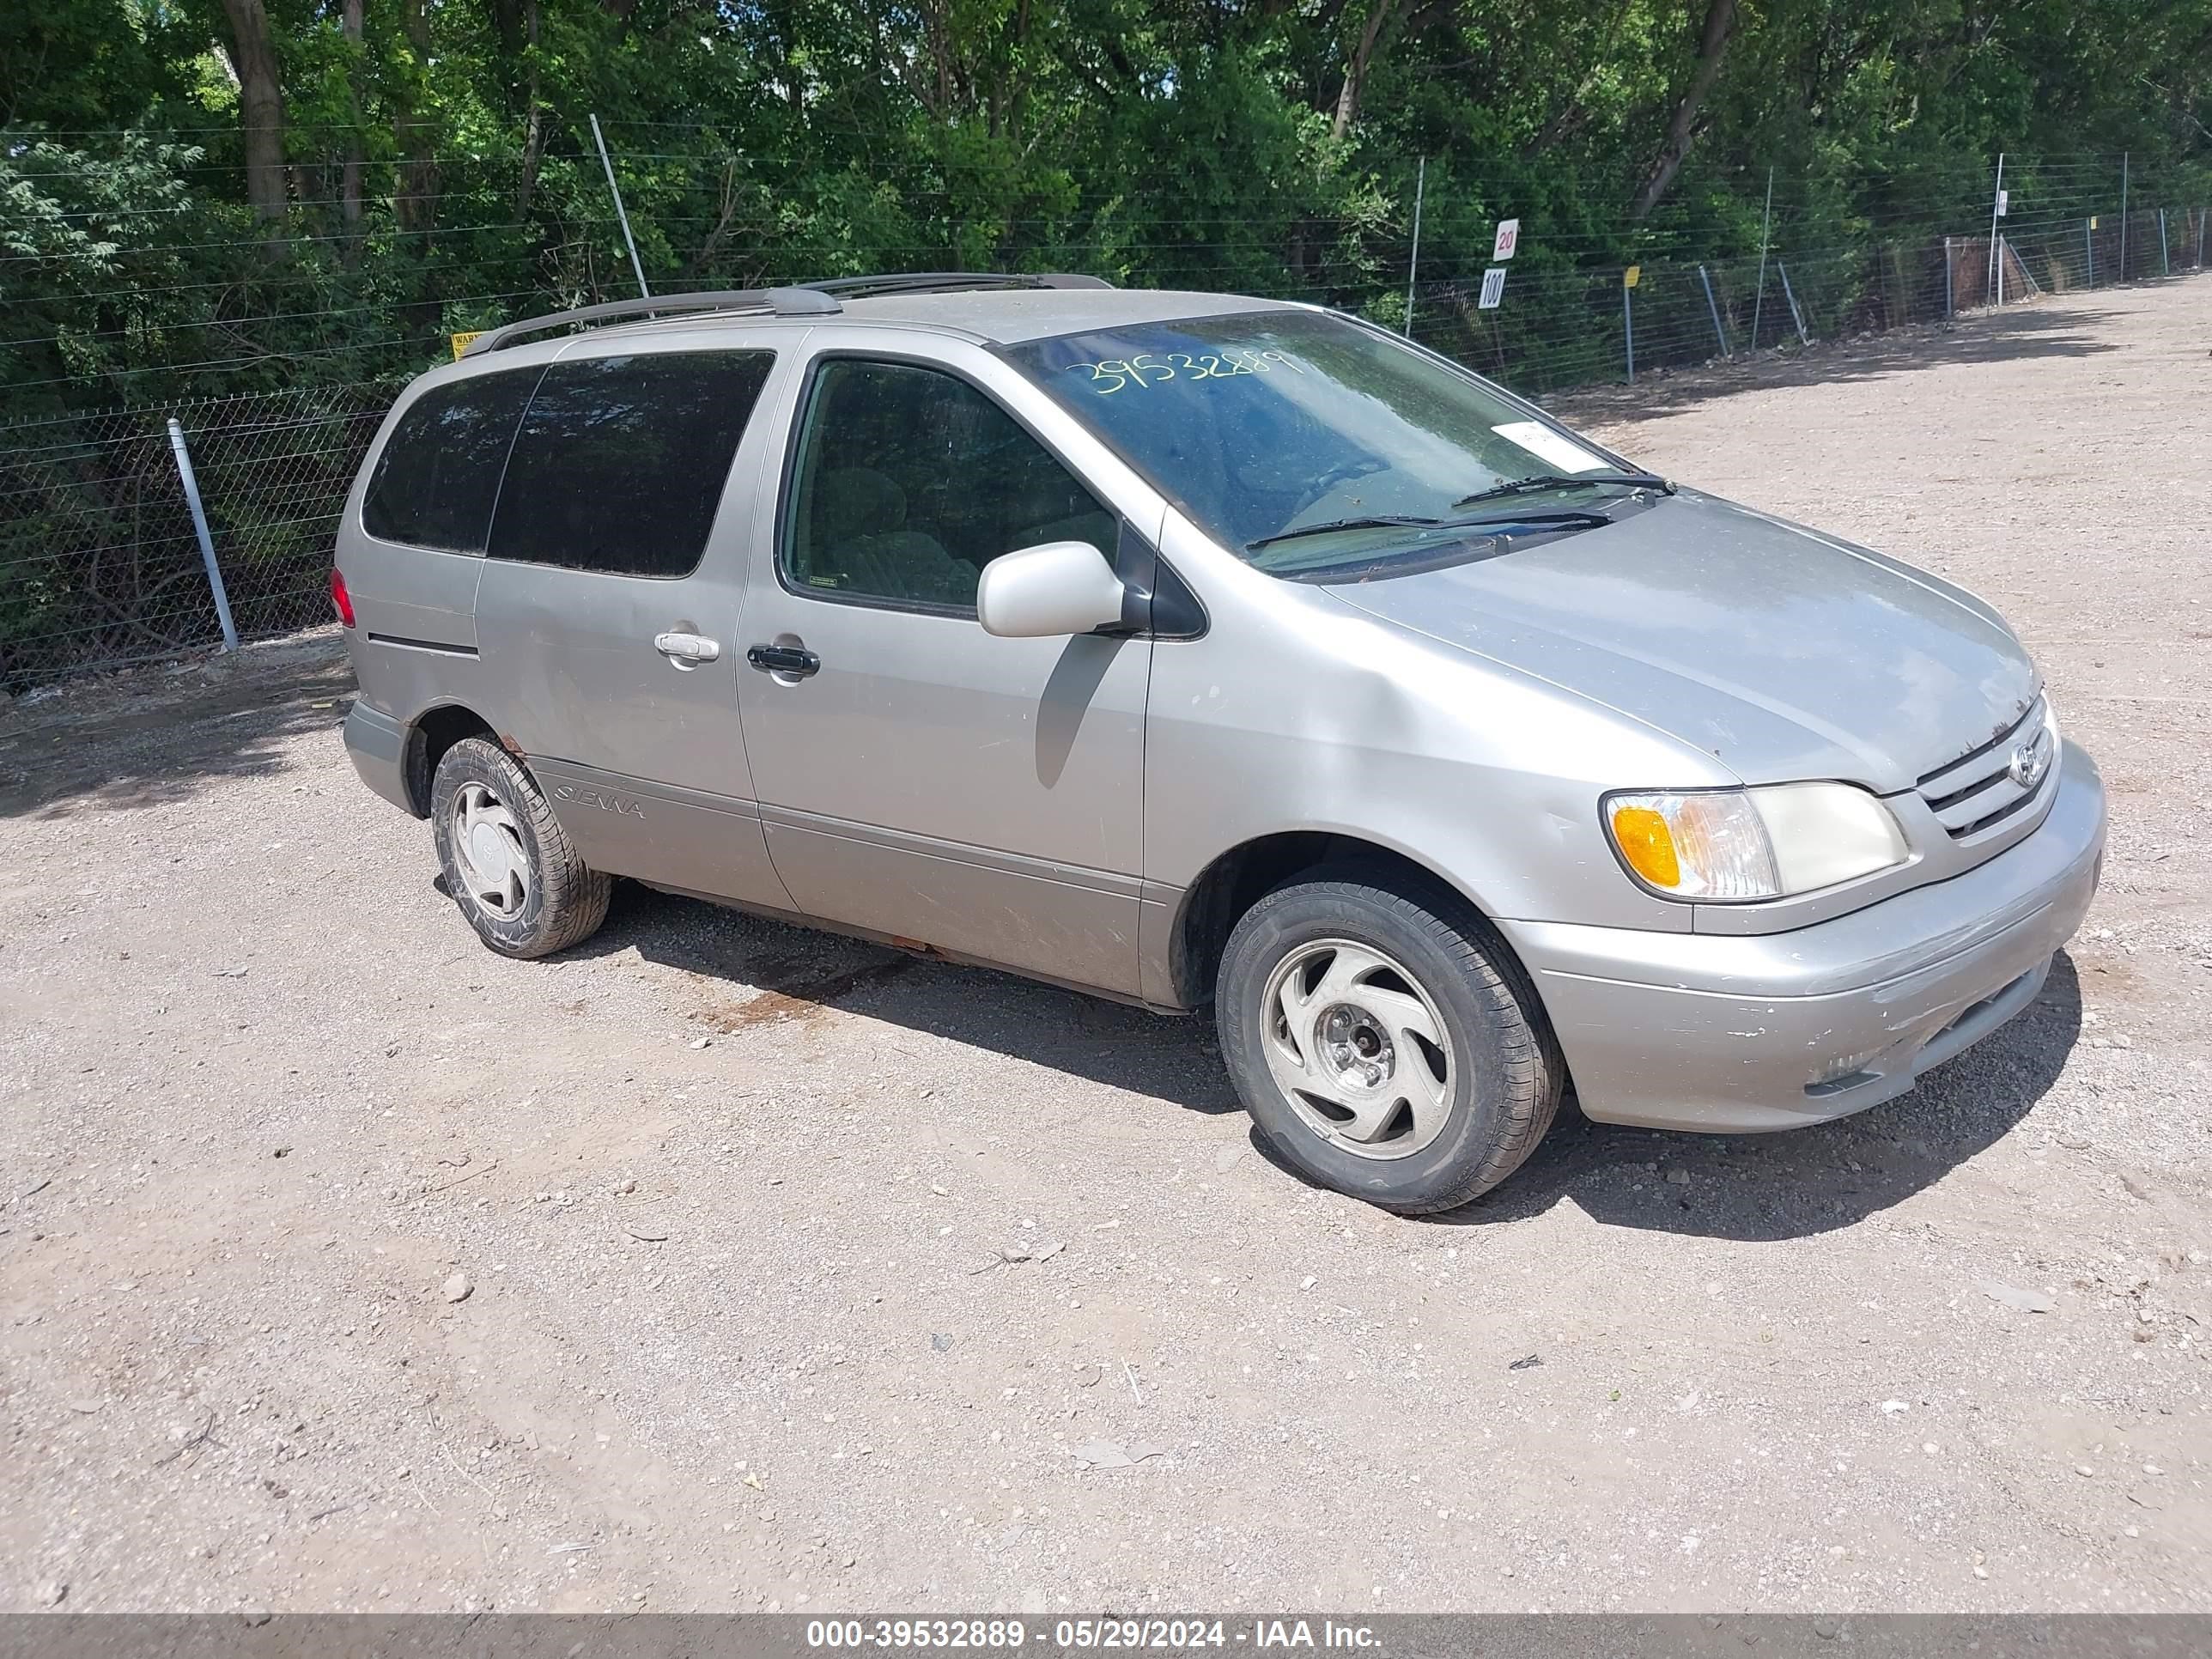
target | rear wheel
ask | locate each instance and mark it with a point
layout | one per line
(508, 864)
(1384, 1046)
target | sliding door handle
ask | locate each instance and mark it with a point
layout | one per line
(795, 661)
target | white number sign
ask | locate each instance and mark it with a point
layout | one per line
(1508, 238)
(1493, 288)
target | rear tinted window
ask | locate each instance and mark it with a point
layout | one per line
(621, 461)
(437, 480)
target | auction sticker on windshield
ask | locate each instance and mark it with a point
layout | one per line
(1546, 444)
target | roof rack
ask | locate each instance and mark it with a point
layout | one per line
(777, 301)
(802, 300)
(949, 282)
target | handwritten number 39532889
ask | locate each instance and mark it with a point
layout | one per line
(1151, 370)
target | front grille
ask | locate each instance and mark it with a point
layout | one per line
(1979, 792)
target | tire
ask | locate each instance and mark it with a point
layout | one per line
(1328, 1050)
(513, 873)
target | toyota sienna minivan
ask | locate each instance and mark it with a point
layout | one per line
(1205, 651)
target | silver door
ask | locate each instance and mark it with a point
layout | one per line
(917, 776)
(623, 688)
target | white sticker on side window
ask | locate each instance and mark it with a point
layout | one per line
(1549, 447)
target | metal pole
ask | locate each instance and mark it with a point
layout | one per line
(1719, 333)
(2089, 248)
(621, 213)
(1413, 263)
(1997, 195)
(1628, 325)
(2164, 265)
(207, 542)
(2000, 247)
(1766, 225)
(2124, 215)
(1947, 279)
(2200, 239)
(1796, 315)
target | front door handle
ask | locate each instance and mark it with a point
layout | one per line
(793, 660)
(687, 650)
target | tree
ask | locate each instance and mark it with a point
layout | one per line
(1681, 122)
(260, 105)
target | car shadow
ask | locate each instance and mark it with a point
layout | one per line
(750, 973)
(1762, 1189)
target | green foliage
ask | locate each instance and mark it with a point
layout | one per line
(94, 245)
(441, 173)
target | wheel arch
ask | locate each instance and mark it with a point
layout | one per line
(1238, 878)
(434, 731)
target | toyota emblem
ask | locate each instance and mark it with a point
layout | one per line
(2030, 761)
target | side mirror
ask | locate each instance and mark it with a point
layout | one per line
(1058, 587)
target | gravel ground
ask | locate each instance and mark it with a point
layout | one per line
(347, 1265)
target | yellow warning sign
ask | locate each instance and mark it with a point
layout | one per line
(1630, 277)
(461, 342)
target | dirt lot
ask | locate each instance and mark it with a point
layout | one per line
(725, 1195)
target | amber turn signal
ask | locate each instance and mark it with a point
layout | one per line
(1647, 844)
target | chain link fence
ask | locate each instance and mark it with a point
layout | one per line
(102, 564)
(1559, 329)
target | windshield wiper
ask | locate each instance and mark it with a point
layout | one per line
(1585, 518)
(1385, 522)
(1561, 481)
(1549, 519)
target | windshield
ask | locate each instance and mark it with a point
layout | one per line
(1306, 443)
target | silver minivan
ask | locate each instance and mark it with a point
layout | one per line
(1201, 651)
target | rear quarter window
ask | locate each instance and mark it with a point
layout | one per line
(620, 462)
(439, 475)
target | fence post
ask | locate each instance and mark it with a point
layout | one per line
(621, 212)
(2164, 265)
(2124, 215)
(1947, 306)
(1413, 265)
(1796, 315)
(1765, 226)
(1628, 324)
(1996, 267)
(207, 542)
(1713, 306)
(2089, 248)
(2200, 239)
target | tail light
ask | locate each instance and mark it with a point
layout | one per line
(340, 598)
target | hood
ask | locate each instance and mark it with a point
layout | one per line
(1785, 653)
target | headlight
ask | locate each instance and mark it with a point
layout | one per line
(1733, 845)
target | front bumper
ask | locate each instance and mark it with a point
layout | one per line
(1730, 1034)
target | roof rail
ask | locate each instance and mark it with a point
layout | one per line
(777, 301)
(946, 282)
(802, 300)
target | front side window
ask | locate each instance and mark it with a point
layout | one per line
(437, 480)
(1272, 428)
(909, 481)
(620, 463)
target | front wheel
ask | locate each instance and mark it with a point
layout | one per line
(1384, 1048)
(506, 862)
